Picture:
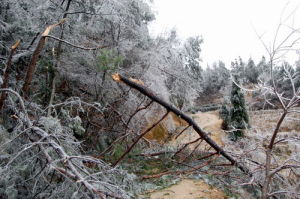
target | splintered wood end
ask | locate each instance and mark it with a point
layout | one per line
(116, 77)
(137, 81)
(48, 29)
(16, 45)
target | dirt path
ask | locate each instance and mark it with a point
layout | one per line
(210, 122)
(189, 189)
(195, 189)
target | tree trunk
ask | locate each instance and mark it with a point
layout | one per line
(7, 72)
(35, 57)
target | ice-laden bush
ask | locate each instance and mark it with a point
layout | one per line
(75, 125)
(107, 62)
(27, 173)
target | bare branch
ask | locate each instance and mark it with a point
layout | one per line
(73, 45)
(139, 137)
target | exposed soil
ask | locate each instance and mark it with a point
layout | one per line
(211, 123)
(163, 130)
(208, 121)
(189, 189)
(195, 189)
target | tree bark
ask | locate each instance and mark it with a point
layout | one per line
(7, 72)
(35, 57)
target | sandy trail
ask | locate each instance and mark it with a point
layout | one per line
(195, 189)
(210, 122)
(189, 189)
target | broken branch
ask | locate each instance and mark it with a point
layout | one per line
(34, 58)
(139, 137)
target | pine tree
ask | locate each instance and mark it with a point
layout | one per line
(225, 116)
(238, 114)
(238, 69)
(251, 72)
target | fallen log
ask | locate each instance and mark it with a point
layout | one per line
(7, 72)
(203, 135)
(35, 57)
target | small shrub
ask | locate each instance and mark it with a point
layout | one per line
(108, 60)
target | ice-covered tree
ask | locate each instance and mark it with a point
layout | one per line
(192, 49)
(225, 115)
(215, 78)
(239, 119)
(238, 69)
(166, 66)
(251, 72)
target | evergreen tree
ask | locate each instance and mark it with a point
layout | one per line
(238, 114)
(223, 73)
(238, 69)
(251, 72)
(225, 116)
(262, 65)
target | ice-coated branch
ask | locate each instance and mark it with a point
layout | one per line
(140, 137)
(74, 45)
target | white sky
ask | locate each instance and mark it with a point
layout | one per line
(227, 26)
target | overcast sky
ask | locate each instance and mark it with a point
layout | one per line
(227, 26)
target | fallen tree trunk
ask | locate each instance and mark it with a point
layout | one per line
(35, 56)
(142, 89)
(7, 72)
